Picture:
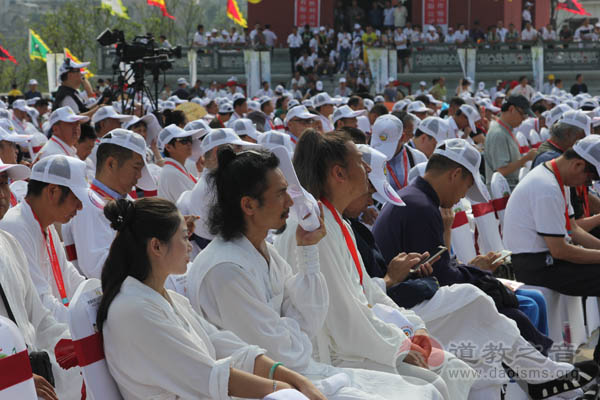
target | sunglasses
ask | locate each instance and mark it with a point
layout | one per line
(184, 140)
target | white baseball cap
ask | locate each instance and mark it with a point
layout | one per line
(244, 126)
(175, 99)
(417, 107)
(197, 125)
(168, 105)
(488, 105)
(378, 99)
(588, 148)
(578, 119)
(20, 104)
(555, 114)
(346, 112)
(69, 65)
(400, 105)
(65, 114)
(377, 161)
(298, 112)
(319, 85)
(472, 115)
(11, 135)
(218, 137)
(253, 105)
(109, 112)
(225, 108)
(152, 126)
(433, 100)
(32, 82)
(460, 151)
(364, 124)
(537, 97)
(279, 89)
(182, 81)
(263, 100)
(342, 80)
(16, 172)
(272, 139)
(422, 83)
(435, 127)
(62, 170)
(174, 132)
(238, 96)
(368, 104)
(136, 143)
(386, 133)
(322, 99)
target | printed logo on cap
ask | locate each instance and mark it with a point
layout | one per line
(383, 137)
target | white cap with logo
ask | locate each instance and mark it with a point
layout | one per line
(377, 160)
(244, 126)
(69, 65)
(272, 139)
(465, 154)
(62, 170)
(472, 115)
(174, 132)
(65, 114)
(435, 127)
(298, 112)
(136, 143)
(386, 133)
(15, 172)
(417, 107)
(322, 99)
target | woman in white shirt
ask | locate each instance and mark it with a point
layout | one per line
(156, 346)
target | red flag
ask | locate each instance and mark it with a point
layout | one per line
(572, 6)
(162, 5)
(233, 12)
(5, 55)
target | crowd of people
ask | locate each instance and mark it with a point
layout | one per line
(299, 247)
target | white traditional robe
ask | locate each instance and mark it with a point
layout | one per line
(353, 336)
(156, 349)
(201, 200)
(20, 222)
(40, 330)
(266, 304)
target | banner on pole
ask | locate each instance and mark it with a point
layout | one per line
(435, 12)
(378, 63)
(252, 67)
(471, 64)
(537, 63)
(193, 65)
(53, 63)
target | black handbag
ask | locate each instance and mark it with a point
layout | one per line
(411, 292)
(39, 360)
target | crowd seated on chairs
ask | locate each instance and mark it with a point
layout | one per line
(335, 245)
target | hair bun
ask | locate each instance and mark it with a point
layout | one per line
(120, 213)
(225, 156)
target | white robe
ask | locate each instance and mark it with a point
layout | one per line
(201, 200)
(156, 349)
(20, 222)
(40, 330)
(353, 336)
(172, 182)
(281, 311)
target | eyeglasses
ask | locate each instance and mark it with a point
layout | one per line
(521, 112)
(184, 140)
(591, 170)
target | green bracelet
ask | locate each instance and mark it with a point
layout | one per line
(273, 368)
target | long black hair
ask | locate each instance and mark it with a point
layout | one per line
(238, 175)
(136, 223)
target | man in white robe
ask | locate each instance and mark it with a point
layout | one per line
(273, 307)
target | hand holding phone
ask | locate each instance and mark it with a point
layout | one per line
(440, 250)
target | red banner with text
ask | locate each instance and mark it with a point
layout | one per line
(307, 12)
(435, 12)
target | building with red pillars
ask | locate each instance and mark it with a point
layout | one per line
(282, 14)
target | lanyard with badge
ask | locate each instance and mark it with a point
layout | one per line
(51, 251)
(347, 237)
(562, 189)
(393, 174)
(171, 163)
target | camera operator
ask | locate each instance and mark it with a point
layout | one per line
(67, 94)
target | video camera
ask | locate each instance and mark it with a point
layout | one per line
(141, 49)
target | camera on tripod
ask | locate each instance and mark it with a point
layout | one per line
(141, 49)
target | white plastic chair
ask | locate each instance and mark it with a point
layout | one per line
(83, 308)
(69, 244)
(487, 225)
(523, 142)
(463, 241)
(15, 359)
(534, 139)
(544, 134)
(500, 191)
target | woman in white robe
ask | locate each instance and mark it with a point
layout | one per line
(156, 346)
(240, 283)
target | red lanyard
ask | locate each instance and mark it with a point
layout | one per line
(13, 199)
(171, 163)
(51, 251)
(555, 145)
(393, 174)
(347, 237)
(509, 131)
(101, 192)
(562, 189)
(582, 191)
(61, 146)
